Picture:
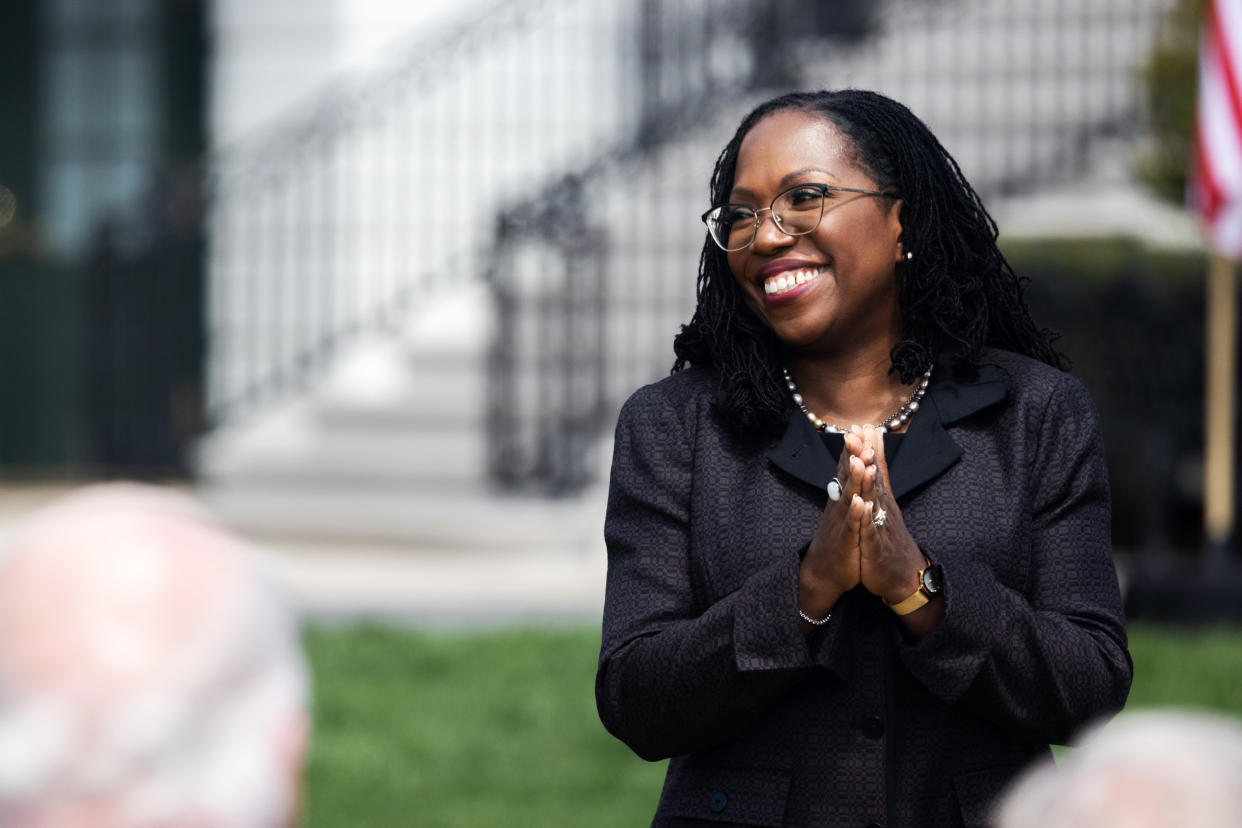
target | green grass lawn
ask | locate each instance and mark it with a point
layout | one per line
(457, 729)
(499, 728)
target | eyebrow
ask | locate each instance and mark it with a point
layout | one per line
(785, 181)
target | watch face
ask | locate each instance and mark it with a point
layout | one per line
(931, 579)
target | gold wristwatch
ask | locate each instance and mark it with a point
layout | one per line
(930, 583)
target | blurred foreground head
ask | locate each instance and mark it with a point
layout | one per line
(1144, 770)
(148, 674)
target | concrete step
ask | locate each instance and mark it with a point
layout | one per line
(296, 447)
(465, 521)
(406, 410)
(382, 385)
(433, 372)
(335, 579)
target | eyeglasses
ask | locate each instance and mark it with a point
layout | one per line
(796, 211)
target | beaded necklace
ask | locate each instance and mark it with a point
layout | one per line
(892, 422)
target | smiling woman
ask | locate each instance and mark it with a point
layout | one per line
(855, 244)
(859, 563)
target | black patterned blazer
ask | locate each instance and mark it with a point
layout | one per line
(1001, 480)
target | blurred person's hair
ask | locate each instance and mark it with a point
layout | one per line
(1143, 770)
(150, 674)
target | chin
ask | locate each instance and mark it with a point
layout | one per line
(801, 333)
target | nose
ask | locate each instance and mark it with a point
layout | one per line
(769, 235)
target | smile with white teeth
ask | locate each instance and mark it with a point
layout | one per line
(790, 279)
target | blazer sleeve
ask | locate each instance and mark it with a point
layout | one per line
(676, 674)
(1048, 659)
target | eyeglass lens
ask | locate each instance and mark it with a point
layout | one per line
(796, 212)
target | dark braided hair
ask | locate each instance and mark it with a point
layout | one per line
(957, 295)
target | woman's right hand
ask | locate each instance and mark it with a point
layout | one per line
(832, 564)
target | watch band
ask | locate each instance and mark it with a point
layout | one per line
(909, 605)
(914, 601)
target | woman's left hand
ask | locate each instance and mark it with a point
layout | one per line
(890, 558)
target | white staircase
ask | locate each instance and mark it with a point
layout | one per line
(391, 446)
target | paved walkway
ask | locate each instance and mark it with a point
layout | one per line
(440, 585)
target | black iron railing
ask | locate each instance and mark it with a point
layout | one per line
(595, 272)
(386, 189)
(561, 148)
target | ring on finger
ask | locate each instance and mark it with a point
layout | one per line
(834, 490)
(880, 518)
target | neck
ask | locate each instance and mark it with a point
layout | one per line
(853, 390)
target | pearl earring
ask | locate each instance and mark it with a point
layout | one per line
(909, 255)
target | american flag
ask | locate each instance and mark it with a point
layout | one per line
(1216, 178)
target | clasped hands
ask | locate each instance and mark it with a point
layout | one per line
(848, 549)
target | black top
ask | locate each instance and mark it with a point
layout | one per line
(892, 446)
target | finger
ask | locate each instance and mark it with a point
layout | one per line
(868, 533)
(858, 470)
(881, 461)
(850, 477)
(848, 483)
(867, 482)
(854, 443)
(874, 441)
(860, 431)
(843, 474)
(881, 478)
(867, 488)
(856, 517)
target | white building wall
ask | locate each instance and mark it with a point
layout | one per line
(268, 56)
(382, 178)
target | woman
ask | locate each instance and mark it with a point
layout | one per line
(859, 564)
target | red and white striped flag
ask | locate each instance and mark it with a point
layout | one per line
(1216, 180)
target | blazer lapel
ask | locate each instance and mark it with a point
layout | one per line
(958, 389)
(927, 452)
(802, 453)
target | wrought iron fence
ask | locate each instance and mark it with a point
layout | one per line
(561, 149)
(388, 188)
(1026, 95)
